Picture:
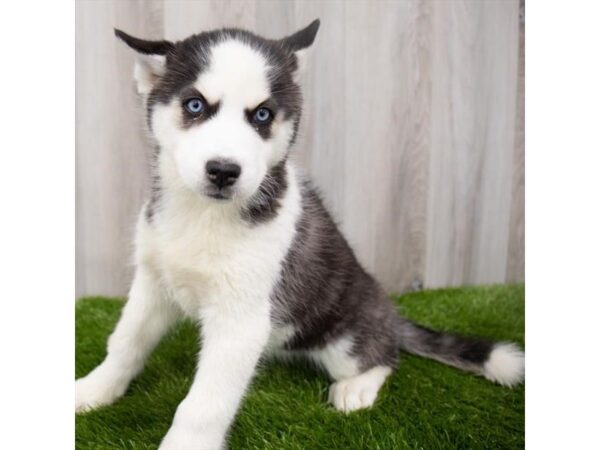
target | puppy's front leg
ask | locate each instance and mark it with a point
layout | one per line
(233, 339)
(145, 319)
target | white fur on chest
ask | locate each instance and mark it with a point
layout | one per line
(209, 255)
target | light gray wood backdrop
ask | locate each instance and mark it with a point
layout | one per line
(413, 130)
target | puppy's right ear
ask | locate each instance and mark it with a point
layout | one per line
(150, 61)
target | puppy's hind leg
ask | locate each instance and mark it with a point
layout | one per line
(145, 319)
(355, 387)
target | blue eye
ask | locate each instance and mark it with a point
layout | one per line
(194, 105)
(263, 116)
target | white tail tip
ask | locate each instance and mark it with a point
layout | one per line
(505, 365)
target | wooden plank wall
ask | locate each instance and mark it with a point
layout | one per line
(413, 130)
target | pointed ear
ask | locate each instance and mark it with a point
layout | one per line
(304, 38)
(300, 42)
(150, 60)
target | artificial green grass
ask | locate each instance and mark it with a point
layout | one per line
(423, 405)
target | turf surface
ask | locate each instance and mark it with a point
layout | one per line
(423, 405)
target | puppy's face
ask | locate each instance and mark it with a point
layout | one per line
(224, 106)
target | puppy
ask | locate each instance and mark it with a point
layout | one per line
(235, 238)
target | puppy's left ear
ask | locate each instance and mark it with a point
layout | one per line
(150, 62)
(300, 43)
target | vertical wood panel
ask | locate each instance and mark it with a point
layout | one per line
(400, 190)
(323, 153)
(515, 270)
(412, 130)
(474, 73)
(185, 17)
(111, 150)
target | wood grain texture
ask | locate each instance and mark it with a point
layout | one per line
(474, 85)
(412, 130)
(403, 154)
(110, 147)
(515, 269)
(185, 17)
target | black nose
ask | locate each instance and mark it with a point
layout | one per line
(222, 173)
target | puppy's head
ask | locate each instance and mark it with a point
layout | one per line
(224, 105)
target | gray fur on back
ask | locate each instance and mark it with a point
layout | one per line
(326, 294)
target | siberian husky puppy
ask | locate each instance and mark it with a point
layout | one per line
(233, 237)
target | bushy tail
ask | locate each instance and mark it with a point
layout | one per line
(501, 362)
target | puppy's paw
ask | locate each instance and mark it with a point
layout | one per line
(183, 438)
(95, 390)
(358, 392)
(348, 395)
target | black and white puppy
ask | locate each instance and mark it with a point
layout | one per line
(233, 237)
